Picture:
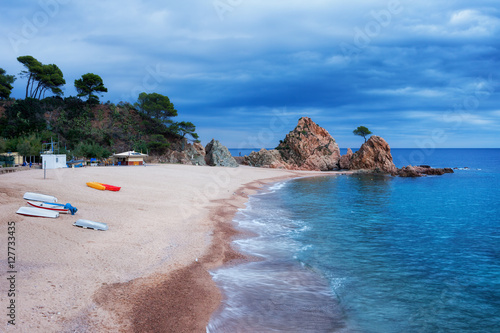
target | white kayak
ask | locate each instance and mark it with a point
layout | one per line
(48, 206)
(87, 224)
(37, 212)
(39, 197)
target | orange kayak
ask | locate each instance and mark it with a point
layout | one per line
(97, 186)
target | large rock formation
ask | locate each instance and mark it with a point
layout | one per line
(310, 147)
(307, 147)
(345, 160)
(374, 154)
(219, 155)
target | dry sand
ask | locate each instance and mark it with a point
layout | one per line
(168, 225)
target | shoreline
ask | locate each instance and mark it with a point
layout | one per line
(142, 273)
(191, 288)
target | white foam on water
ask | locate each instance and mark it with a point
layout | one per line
(277, 186)
(277, 293)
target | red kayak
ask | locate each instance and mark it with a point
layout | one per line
(111, 187)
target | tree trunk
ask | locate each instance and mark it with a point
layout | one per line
(36, 90)
(28, 85)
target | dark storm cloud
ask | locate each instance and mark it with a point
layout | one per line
(403, 69)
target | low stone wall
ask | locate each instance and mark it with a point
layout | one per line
(13, 169)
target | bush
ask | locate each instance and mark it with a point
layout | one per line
(158, 144)
(22, 118)
(90, 150)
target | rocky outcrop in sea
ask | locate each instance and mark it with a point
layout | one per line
(307, 147)
(375, 155)
(422, 170)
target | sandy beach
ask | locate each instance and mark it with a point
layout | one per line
(168, 226)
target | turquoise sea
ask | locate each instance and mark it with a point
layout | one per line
(367, 253)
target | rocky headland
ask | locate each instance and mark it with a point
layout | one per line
(307, 147)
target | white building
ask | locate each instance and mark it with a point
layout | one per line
(53, 161)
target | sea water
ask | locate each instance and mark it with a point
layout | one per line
(366, 253)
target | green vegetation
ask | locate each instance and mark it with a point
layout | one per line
(91, 150)
(88, 84)
(41, 77)
(84, 128)
(3, 145)
(156, 106)
(22, 118)
(6, 84)
(186, 127)
(362, 131)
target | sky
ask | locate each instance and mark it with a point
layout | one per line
(420, 74)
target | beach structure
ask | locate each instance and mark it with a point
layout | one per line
(129, 158)
(53, 161)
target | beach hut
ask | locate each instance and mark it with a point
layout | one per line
(53, 161)
(129, 158)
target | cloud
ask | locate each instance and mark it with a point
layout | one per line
(409, 91)
(261, 56)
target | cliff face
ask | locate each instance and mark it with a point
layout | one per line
(374, 154)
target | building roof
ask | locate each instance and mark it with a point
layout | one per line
(130, 154)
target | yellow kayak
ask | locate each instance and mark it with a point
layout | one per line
(97, 186)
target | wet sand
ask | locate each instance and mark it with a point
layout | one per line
(168, 226)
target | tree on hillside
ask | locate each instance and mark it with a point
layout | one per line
(6, 84)
(186, 127)
(51, 79)
(33, 69)
(158, 144)
(41, 77)
(362, 131)
(89, 84)
(156, 106)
